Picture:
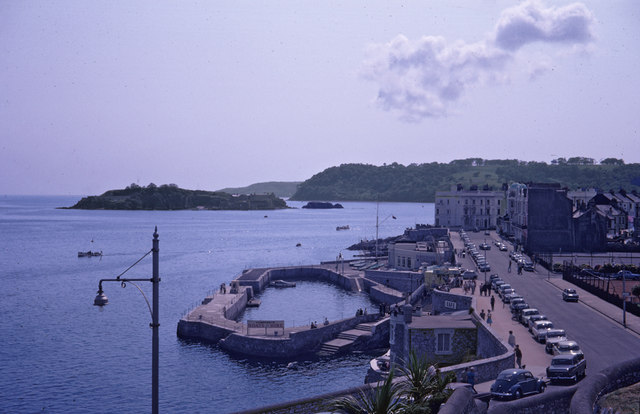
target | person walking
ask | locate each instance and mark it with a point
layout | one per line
(493, 302)
(512, 339)
(489, 319)
(518, 356)
(471, 376)
(482, 314)
(509, 270)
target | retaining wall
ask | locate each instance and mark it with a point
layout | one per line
(441, 302)
(593, 387)
(298, 343)
(259, 281)
(199, 330)
(403, 281)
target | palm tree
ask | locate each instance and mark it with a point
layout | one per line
(424, 387)
(421, 390)
(383, 399)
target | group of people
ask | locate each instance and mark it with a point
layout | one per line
(361, 312)
(488, 316)
(516, 347)
(469, 286)
(485, 289)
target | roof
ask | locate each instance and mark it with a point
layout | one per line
(442, 322)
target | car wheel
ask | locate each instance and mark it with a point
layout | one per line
(518, 394)
(543, 387)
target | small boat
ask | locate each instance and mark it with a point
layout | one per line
(282, 284)
(342, 228)
(89, 254)
(298, 244)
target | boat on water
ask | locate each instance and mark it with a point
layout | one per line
(89, 254)
(282, 284)
(342, 228)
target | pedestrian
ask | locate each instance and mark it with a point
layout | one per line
(512, 339)
(489, 319)
(509, 270)
(493, 302)
(518, 356)
(471, 376)
(473, 287)
(482, 314)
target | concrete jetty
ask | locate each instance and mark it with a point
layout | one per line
(213, 321)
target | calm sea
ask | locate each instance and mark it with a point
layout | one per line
(60, 354)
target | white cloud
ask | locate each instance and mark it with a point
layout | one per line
(531, 22)
(424, 78)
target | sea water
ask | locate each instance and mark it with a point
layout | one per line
(59, 353)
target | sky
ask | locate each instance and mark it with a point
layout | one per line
(211, 94)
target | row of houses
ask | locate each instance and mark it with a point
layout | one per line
(543, 216)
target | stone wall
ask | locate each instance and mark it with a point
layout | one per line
(441, 302)
(259, 279)
(298, 343)
(556, 401)
(200, 330)
(381, 295)
(593, 387)
(461, 341)
(405, 281)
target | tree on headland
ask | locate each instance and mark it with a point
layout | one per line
(612, 161)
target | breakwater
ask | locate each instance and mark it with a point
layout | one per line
(213, 321)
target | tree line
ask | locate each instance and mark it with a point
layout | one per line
(419, 182)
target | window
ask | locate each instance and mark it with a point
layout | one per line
(398, 261)
(408, 262)
(443, 341)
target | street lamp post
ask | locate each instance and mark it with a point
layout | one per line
(101, 300)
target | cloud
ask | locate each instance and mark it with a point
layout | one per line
(424, 78)
(531, 22)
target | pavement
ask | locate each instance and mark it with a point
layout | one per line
(534, 358)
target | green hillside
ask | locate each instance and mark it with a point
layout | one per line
(419, 182)
(282, 189)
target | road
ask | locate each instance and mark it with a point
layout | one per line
(603, 341)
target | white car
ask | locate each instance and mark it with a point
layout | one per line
(526, 313)
(535, 318)
(539, 330)
(553, 337)
(566, 347)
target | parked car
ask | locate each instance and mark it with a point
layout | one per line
(503, 287)
(567, 367)
(497, 283)
(493, 277)
(570, 295)
(516, 308)
(507, 294)
(626, 274)
(527, 265)
(485, 267)
(515, 300)
(516, 383)
(535, 318)
(566, 347)
(553, 337)
(469, 275)
(539, 330)
(526, 313)
(503, 247)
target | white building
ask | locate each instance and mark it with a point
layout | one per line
(469, 209)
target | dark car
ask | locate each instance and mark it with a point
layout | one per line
(516, 383)
(570, 295)
(567, 367)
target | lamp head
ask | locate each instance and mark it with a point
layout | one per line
(101, 299)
